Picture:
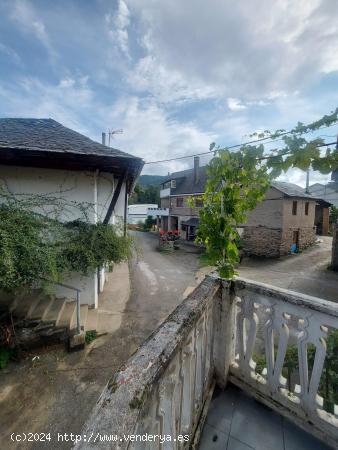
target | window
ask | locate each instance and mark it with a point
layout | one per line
(307, 208)
(179, 202)
(294, 208)
(173, 184)
(198, 202)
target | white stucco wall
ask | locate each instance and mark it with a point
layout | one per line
(91, 188)
(139, 212)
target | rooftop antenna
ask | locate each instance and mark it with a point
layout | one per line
(111, 133)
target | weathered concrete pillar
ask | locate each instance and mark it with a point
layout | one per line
(334, 261)
(225, 333)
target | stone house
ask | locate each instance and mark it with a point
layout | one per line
(41, 156)
(282, 223)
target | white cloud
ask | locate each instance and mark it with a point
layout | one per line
(257, 50)
(119, 23)
(149, 131)
(26, 16)
(68, 101)
(298, 176)
(234, 104)
(176, 75)
(166, 85)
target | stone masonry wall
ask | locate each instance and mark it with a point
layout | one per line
(307, 237)
(262, 241)
(275, 242)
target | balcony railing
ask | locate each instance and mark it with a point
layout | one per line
(158, 211)
(215, 336)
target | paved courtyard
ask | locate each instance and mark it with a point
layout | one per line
(306, 272)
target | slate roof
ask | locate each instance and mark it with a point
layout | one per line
(49, 135)
(185, 183)
(293, 190)
(325, 193)
(290, 189)
(39, 142)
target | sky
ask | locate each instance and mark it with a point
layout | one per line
(173, 75)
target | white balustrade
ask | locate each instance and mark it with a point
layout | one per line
(212, 337)
(282, 318)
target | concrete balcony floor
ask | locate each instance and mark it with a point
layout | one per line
(236, 421)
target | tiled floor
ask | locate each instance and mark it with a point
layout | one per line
(236, 421)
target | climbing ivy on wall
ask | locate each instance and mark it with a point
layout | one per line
(238, 181)
(37, 250)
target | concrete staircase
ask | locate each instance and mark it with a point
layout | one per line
(42, 318)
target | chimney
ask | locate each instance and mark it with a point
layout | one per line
(196, 169)
(103, 138)
(307, 181)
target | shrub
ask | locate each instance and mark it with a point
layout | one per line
(37, 249)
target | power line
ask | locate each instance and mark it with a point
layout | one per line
(240, 145)
(325, 144)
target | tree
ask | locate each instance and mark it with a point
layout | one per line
(148, 194)
(237, 181)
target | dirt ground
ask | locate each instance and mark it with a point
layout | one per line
(55, 392)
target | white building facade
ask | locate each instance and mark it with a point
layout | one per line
(91, 181)
(139, 212)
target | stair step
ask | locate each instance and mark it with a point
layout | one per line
(83, 316)
(92, 320)
(55, 310)
(41, 308)
(25, 303)
(66, 317)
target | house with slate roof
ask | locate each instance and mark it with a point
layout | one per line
(177, 190)
(284, 222)
(41, 156)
